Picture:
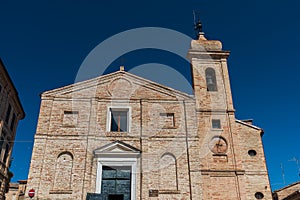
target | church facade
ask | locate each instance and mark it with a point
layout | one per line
(120, 136)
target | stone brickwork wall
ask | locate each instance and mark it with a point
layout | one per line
(165, 128)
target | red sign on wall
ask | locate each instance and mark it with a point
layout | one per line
(31, 193)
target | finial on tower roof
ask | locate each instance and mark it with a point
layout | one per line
(122, 68)
(197, 25)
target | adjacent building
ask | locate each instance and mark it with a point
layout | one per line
(120, 136)
(11, 112)
(290, 192)
(16, 190)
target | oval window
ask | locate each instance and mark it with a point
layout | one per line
(259, 195)
(252, 152)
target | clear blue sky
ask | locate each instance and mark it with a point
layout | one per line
(43, 43)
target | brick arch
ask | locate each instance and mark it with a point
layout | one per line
(65, 152)
(169, 154)
(63, 171)
(168, 172)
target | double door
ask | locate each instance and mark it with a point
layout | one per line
(116, 182)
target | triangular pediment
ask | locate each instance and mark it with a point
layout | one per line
(117, 148)
(117, 85)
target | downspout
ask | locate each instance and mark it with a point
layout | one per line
(187, 149)
(141, 143)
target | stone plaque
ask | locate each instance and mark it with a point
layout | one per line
(153, 193)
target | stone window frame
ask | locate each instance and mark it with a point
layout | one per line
(13, 122)
(5, 147)
(2, 144)
(120, 108)
(8, 113)
(6, 155)
(219, 123)
(117, 154)
(117, 161)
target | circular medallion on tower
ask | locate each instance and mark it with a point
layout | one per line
(120, 88)
(218, 145)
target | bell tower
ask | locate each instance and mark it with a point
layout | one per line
(222, 162)
(210, 74)
(215, 114)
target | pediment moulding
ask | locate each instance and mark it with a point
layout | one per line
(117, 148)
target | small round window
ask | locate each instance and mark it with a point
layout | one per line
(252, 152)
(259, 195)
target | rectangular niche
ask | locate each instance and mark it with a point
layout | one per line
(167, 120)
(70, 118)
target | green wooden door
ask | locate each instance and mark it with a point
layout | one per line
(116, 182)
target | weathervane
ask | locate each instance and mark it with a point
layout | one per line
(197, 24)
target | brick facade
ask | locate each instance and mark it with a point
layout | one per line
(170, 143)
